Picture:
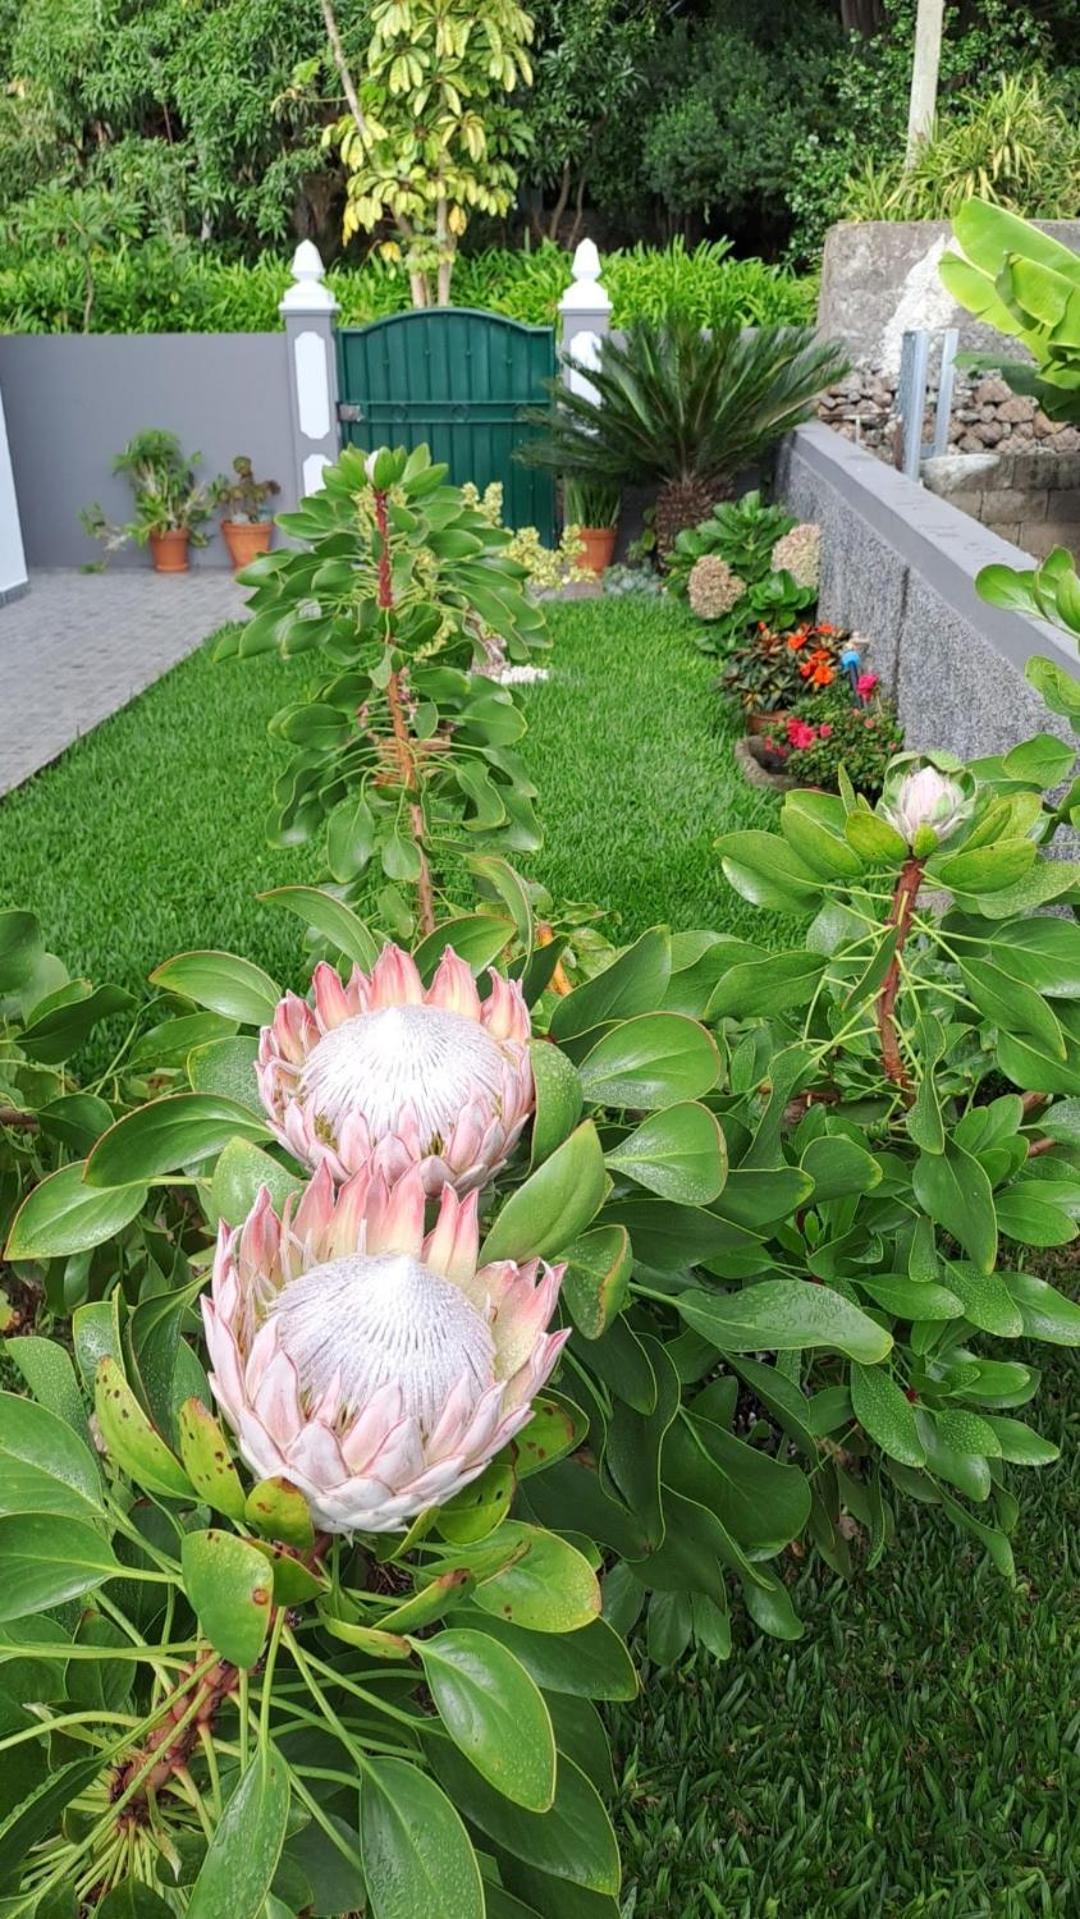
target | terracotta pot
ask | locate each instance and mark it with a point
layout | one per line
(767, 722)
(169, 551)
(246, 539)
(598, 543)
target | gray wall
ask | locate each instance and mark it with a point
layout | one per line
(898, 566)
(73, 400)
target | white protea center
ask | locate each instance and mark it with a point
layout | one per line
(374, 1365)
(420, 1057)
(368, 1322)
(382, 1071)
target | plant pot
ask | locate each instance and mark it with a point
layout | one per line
(598, 548)
(169, 551)
(768, 722)
(755, 773)
(246, 539)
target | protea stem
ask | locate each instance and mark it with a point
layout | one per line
(900, 917)
(403, 745)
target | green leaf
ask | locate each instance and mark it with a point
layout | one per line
(133, 1900)
(330, 918)
(48, 1560)
(784, 1315)
(70, 1016)
(238, 1871)
(886, 1415)
(228, 1583)
(48, 1371)
(986, 869)
(241, 1170)
(1044, 760)
(418, 1858)
(37, 1816)
(548, 1587)
(596, 1284)
(63, 1215)
(573, 1840)
(21, 949)
(494, 1713)
(555, 1204)
(44, 1466)
(559, 1098)
(679, 1153)
(761, 987)
(133, 1442)
(839, 1168)
(223, 982)
(555, 1428)
(205, 1454)
(1045, 1312)
(591, 1663)
(1012, 1003)
(651, 1061)
(169, 1134)
(953, 1188)
(227, 1067)
(632, 984)
(1026, 1211)
(477, 938)
(764, 869)
(874, 839)
(278, 1510)
(1021, 1446)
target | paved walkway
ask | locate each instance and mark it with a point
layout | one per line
(79, 645)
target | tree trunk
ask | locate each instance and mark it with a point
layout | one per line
(862, 16)
(924, 76)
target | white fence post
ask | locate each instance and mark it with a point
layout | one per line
(308, 310)
(585, 315)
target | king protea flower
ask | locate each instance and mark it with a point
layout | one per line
(376, 1368)
(384, 1072)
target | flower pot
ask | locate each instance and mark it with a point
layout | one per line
(767, 722)
(169, 551)
(598, 548)
(246, 539)
(750, 765)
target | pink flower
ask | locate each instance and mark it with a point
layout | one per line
(800, 734)
(385, 1071)
(375, 1366)
(825, 732)
(865, 685)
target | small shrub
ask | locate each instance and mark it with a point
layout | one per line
(833, 731)
(712, 588)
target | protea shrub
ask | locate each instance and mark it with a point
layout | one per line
(374, 1365)
(380, 1071)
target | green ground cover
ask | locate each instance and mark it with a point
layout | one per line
(915, 1755)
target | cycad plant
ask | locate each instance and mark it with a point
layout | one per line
(684, 410)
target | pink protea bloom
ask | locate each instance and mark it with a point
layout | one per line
(373, 1365)
(385, 1072)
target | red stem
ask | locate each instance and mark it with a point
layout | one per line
(403, 745)
(903, 907)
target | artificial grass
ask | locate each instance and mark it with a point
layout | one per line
(914, 1756)
(148, 837)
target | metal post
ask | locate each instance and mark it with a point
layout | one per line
(950, 340)
(308, 311)
(911, 402)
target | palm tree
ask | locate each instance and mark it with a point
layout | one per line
(684, 410)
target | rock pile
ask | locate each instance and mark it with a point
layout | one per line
(985, 414)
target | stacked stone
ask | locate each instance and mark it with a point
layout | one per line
(985, 414)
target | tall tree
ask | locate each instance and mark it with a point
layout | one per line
(925, 66)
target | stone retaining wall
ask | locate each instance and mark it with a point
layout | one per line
(1031, 498)
(985, 414)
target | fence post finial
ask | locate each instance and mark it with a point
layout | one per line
(308, 292)
(585, 317)
(308, 310)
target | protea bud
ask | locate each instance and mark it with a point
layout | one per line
(381, 1071)
(924, 802)
(375, 1368)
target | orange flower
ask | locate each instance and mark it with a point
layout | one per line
(798, 638)
(822, 675)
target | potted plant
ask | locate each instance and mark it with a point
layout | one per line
(171, 508)
(774, 672)
(591, 507)
(246, 522)
(833, 731)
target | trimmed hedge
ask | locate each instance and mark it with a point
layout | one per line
(156, 289)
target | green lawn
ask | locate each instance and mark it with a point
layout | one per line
(916, 1753)
(148, 836)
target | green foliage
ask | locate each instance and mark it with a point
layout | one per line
(587, 503)
(1018, 147)
(159, 286)
(777, 668)
(742, 532)
(833, 731)
(1048, 592)
(1026, 284)
(406, 754)
(684, 411)
(431, 134)
(242, 496)
(168, 499)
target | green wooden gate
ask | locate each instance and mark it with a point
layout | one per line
(458, 379)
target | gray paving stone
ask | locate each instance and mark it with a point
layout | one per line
(80, 645)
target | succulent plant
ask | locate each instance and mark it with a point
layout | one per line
(382, 1071)
(799, 553)
(374, 1367)
(713, 589)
